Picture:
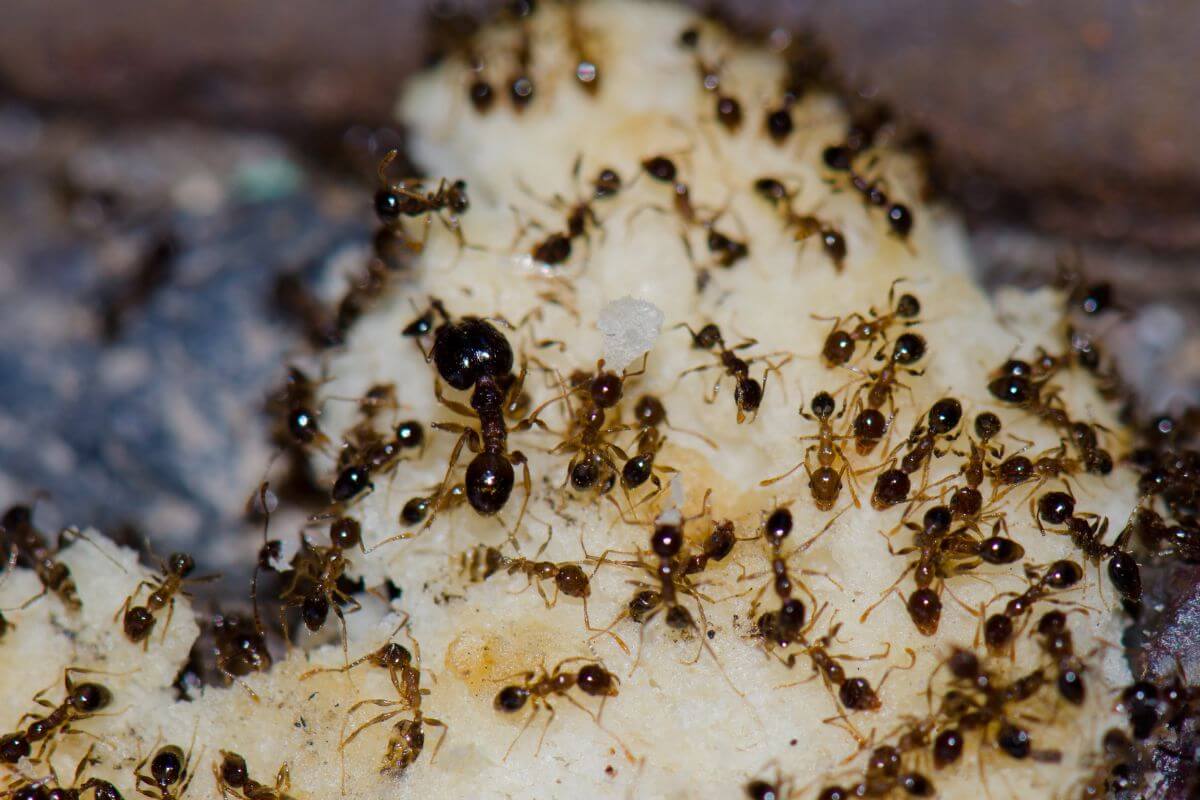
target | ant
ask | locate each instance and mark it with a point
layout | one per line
(556, 247)
(1055, 640)
(233, 776)
(1114, 771)
(880, 385)
(372, 455)
(825, 481)
(298, 420)
(409, 198)
(802, 225)
(31, 550)
(1046, 467)
(138, 621)
(314, 584)
(168, 768)
(748, 392)
(1058, 508)
(785, 625)
(980, 700)
(966, 502)
(641, 466)
(726, 250)
(82, 701)
(840, 344)
(999, 628)
(944, 553)
(536, 688)
(893, 484)
(728, 109)
(425, 325)
(407, 740)
(840, 158)
(37, 790)
(885, 771)
(594, 461)
(241, 646)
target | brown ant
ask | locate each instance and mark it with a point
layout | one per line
(240, 645)
(409, 198)
(296, 409)
(139, 620)
(1058, 508)
(314, 580)
(725, 249)
(641, 466)
(407, 740)
(29, 544)
(966, 502)
(1114, 771)
(840, 344)
(893, 484)
(840, 158)
(594, 463)
(536, 688)
(748, 392)
(944, 553)
(169, 776)
(82, 701)
(802, 225)
(880, 385)
(999, 628)
(556, 248)
(1055, 640)
(39, 789)
(232, 775)
(373, 455)
(825, 481)
(980, 700)
(885, 771)
(728, 109)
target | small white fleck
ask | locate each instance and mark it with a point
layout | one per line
(630, 327)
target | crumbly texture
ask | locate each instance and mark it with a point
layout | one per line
(697, 715)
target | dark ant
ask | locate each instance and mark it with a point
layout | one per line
(999, 628)
(240, 645)
(416, 509)
(726, 250)
(840, 158)
(82, 701)
(966, 502)
(1055, 640)
(944, 553)
(569, 579)
(168, 768)
(885, 772)
(777, 788)
(748, 392)
(641, 466)
(426, 324)
(1050, 465)
(409, 198)
(536, 688)
(232, 775)
(980, 700)
(372, 455)
(825, 482)
(868, 428)
(853, 694)
(840, 344)
(1058, 508)
(407, 740)
(139, 620)
(29, 544)
(295, 409)
(802, 225)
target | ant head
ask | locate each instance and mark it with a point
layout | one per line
(345, 532)
(606, 387)
(469, 349)
(666, 541)
(778, 525)
(823, 405)
(660, 168)
(987, 426)
(945, 415)
(181, 564)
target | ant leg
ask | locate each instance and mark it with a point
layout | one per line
(778, 478)
(384, 717)
(545, 729)
(518, 457)
(520, 733)
(437, 723)
(458, 408)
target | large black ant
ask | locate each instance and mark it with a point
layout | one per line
(748, 392)
(536, 688)
(82, 701)
(138, 620)
(825, 481)
(802, 225)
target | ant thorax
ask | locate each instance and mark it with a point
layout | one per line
(769, 509)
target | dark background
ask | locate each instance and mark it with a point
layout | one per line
(161, 164)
